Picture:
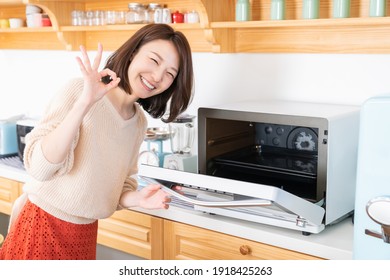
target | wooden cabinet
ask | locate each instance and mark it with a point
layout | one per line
(186, 242)
(155, 238)
(134, 233)
(216, 32)
(9, 192)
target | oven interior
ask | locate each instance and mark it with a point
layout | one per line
(282, 156)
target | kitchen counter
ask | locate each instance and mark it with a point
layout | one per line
(335, 242)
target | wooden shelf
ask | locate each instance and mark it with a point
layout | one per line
(216, 32)
(349, 35)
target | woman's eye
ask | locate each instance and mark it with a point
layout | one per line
(155, 60)
(172, 76)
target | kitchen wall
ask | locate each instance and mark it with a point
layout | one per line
(28, 79)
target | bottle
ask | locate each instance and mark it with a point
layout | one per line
(377, 8)
(242, 10)
(341, 8)
(278, 9)
(310, 9)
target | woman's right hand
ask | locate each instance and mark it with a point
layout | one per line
(94, 88)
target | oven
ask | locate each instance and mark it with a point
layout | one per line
(297, 160)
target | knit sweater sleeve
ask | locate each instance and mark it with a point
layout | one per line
(35, 162)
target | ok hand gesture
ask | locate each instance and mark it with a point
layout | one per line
(94, 88)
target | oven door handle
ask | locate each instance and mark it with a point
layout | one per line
(208, 203)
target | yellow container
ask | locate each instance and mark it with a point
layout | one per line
(4, 23)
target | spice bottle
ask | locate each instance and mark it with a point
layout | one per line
(377, 8)
(341, 8)
(242, 10)
(278, 9)
(310, 9)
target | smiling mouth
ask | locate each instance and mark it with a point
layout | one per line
(147, 84)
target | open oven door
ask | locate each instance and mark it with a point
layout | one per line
(237, 199)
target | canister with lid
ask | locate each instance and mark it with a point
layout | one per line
(191, 17)
(166, 16)
(152, 15)
(136, 14)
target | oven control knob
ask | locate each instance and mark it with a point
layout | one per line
(276, 141)
(268, 129)
(279, 130)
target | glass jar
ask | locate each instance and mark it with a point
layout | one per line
(341, 8)
(191, 17)
(89, 18)
(278, 9)
(242, 10)
(152, 17)
(111, 17)
(78, 18)
(310, 9)
(377, 8)
(136, 13)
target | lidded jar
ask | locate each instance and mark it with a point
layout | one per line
(136, 14)
(154, 13)
(177, 17)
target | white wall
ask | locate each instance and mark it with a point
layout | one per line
(29, 78)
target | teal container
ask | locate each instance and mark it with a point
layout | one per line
(341, 8)
(278, 9)
(377, 8)
(242, 10)
(311, 9)
(8, 138)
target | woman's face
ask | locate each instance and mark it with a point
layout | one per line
(153, 68)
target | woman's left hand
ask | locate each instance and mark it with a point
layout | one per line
(152, 197)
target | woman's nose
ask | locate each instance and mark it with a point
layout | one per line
(158, 75)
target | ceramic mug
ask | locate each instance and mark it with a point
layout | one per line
(34, 20)
(16, 22)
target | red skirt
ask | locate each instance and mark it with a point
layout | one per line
(37, 235)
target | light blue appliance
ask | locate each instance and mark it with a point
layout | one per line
(373, 181)
(8, 136)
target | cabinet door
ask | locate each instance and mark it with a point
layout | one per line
(9, 192)
(134, 233)
(189, 242)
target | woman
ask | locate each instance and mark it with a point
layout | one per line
(83, 153)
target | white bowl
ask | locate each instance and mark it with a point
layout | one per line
(32, 9)
(16, 22)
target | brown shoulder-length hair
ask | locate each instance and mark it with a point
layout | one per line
(179, 95)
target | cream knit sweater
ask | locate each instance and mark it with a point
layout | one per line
(98, 168)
